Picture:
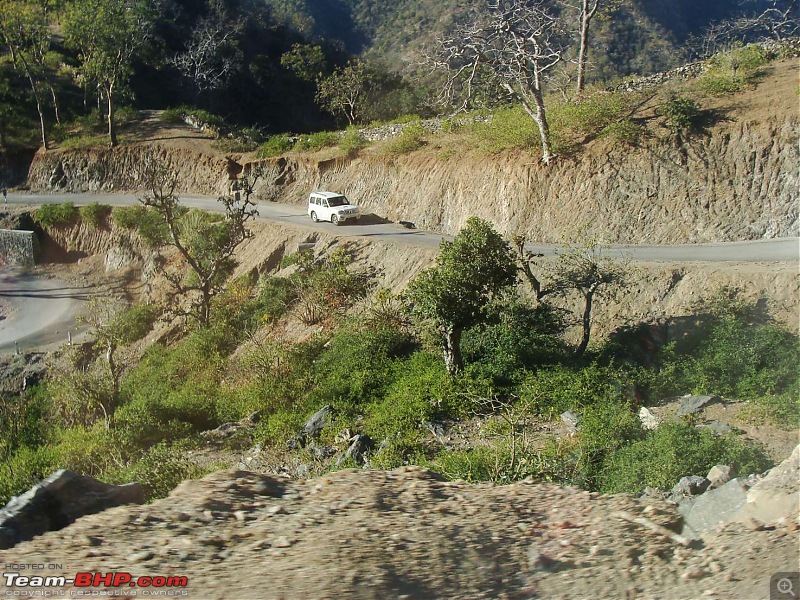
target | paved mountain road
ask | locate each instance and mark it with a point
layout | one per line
(779, 249)
(39, 311)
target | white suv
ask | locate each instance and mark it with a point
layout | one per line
(330, 206)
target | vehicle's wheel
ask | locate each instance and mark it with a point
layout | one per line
(335, 220)
(314, 217)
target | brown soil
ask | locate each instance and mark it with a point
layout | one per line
(405, 534)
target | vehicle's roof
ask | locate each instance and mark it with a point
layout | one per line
(327, 194)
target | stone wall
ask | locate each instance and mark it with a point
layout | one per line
(18, 248)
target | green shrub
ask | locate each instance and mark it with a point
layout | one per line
(553, 390)
(625, 131)
(95, 215)
(672, 451)
(508, 129)
(275, 146)
(159, 470)
(730, 71)
(316, 141)
(24, 469)
(515, 337)
(88, 450)
(357, 366)
(235, 144)
(473, 465)
(23, 420)
(781, 410)
(135, 322)
(589, 115)
(420, 390)
(352, 141)
(56, 215)
(679, 113)
(84, 142)
(411, 138)
(146, 222)
(172, 115)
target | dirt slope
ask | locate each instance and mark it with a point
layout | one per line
(737, 180)
(404, 533)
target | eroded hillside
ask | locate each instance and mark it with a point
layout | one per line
(736, 180)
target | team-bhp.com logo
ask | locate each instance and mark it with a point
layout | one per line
(156, 585)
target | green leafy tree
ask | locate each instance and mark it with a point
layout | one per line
(307, 61)
(471, 270)
(24, 32)
(108, 34)
(345, 91)
(206, 242)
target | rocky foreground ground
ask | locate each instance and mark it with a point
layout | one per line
(407, 534)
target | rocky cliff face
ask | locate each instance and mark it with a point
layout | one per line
(122, 169)
(738, 181)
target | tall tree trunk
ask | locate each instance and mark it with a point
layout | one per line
(587, 13)
(452, 350)
(112, 130)
(587, 323)
(540, 116)
(56, 107)
(39, 108)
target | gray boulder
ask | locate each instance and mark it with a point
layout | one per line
(313, 427)
(359, 446)
(718, 427)
(715, 507)
(691, 485)
(571, 421)
(692, 404)
(59, 500)
(776, 495)
(719, 475)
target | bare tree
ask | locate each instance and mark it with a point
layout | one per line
(206, 243)
(777, 21)
(585, 270)
(510, 46)
(588, 9)
(211, 52)
(580, 268)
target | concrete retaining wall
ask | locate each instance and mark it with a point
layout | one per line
(19, 248)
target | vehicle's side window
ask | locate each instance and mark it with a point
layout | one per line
(325, 204)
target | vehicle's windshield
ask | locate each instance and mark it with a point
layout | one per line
(337, 201)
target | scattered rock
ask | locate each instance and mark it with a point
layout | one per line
(691, 485)
(59, 500)
(776, 495)
(313, 427)
(571, 421)
(648, 419)
(718, 427)
(360, 445)
(692, 404)
(407, 224)
(719, 475)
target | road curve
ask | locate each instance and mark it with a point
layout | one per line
(43, 310)
(370, 226)
(39, 310)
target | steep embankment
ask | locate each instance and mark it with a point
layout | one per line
(737, 180)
